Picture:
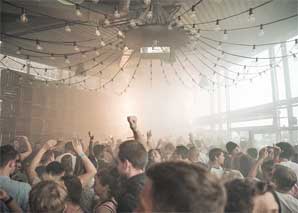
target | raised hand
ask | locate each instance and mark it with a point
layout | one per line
(263, 153)
(91, 136)
(77, 146)
(50, 144)
(132, 120)
(149, 134)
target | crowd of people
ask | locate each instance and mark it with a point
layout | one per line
(136, 176)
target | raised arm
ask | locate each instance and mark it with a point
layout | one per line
(89, 167)
(50, 144)
(132, 120)
(24, 155)
(91, 141)
(149, 139)
(263, 154)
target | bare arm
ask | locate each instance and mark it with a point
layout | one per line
(91, 137)
(132, 120)
(88, 165)
(263, 154)
(36, 160)
(24, 155)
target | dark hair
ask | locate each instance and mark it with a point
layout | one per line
(287, 150)
(245, 164)
(215, 152)
(241, 193)
(183, 187)
(55, 168)
(109, 176)
(231, 146)
(40, 170)
(74, 188)
(151, 151)
(252, 152)
(46, 157)
(295, 157)
(47, 196)
(134, 152)
(182, 151)
(98, 150)
(7, 153)
(68, 147)
(66, 163)
(284, 178)
(268, 166)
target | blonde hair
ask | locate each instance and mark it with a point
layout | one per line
(47, 196)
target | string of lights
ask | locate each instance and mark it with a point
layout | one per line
(164, 72)
(179, 77)
(242, 56)
(133, 77)
(249, 11)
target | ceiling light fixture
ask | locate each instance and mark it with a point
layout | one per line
(217, 27)
(76, 47)
(225, 35)
(261, 32)
(38, 46)
(97, 32)
(66, 60)
(23, 17)
(106, 21)
(18, 52)
(67, 28)
(251, 17)
(78, 10)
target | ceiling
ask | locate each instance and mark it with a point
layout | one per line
(47, 19)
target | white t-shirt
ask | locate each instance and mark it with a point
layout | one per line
(217, 171)
(291, 165)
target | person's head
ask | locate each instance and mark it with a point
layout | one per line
(106, 183)
(232, 148)
(245, 164)
(47, 196)
(267, 170)
(181, 187)
(248, 196)
(154, 156)
(216, 155)
(287, 150)
(193, 154)
(252, 152)
(74, 188)
(98, 151)
(68, 148)
(54, 171)
(295, 157)
(181, 153)
(132, 157)
(47, 158)
(284, 178)
(66, 163)
(8, 159)
(167, 151)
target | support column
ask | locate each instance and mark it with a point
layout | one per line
(227, 95)
(275, 95)
(288, 90)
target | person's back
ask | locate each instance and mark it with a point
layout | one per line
(18, 190)
(132, 160)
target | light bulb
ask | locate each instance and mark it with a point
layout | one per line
(170, 27)
(132, 23)
(251, 17)
(149, 14)
(296, 44)
(193, 29)
(52, 56)
(23, 17)
(217, 26)
(147, 2)
(97, 32)
(67, 61)
(76, 47)
(120, 33)
(193, 12)
(295, 57)
(38, 46)
(106, 21)
(102, 43)
(198, 35)
(97, 52)
(78, 10)
(225, 35)
(253, 48)
(84, 55)
(18, 52)
(116, 14)
(67, 28)
(125, 49)
(179, 21)
(261, 32)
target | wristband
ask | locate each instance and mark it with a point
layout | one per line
(8, 201)
(82, 155)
